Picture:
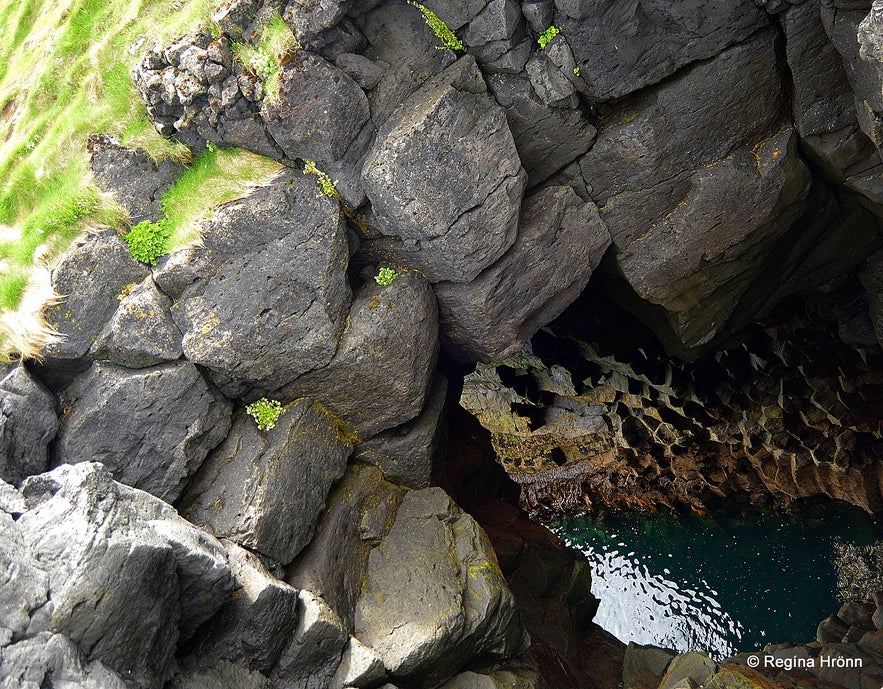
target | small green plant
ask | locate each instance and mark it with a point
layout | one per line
(576, 71)
(548, 35)
(149, 240)
(385, 276)
(265, 413)
(323, 181)
(265, 57)
(443, 33)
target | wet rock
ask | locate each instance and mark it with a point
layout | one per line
(319, 111)
(660, 39)
(141, 333)
(453, 224)
(265, 490)
(409, 455)
(90, 277)
(382, 369)
(27, 424)
(560, 242)
(209, 672)
(134, 179)
(151, 427)
(52, 660)
(127, 576)
(822, 105)
(359, 667)
(254, 316)
(313, 654)
(256, 621)
(434, 573)
(547, 138)
(359, 512)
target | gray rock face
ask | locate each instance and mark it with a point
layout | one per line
(308, 18)
(381, 371)
(90, 276)
(135, 180)
(435, 575)
(27, 424)
(359, 512)
(127, 576)
(561, 240)
(52, 660)
(152, 427)
(512, 674)
(623, 46)
(444, 175)
(315, 650)
(259, 617)
(822, 103)
(25, 585)
(359, 667)
(319, 112)
(410, 455)
(266, 490)
(209, 672)
(141, 332)
(547, 138)
(255, 314)
(871, 276)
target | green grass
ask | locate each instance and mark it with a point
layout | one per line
(264, 58)
(65, 70)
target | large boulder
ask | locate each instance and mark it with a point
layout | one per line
(822, 104)
(152, 427)
(128, 578)
(266, 490)
(90, 277)
(382, 369)
(434, 598)
(411, 454)
(621, 47)
(444, 176)
(271, 301)
(319, 112)
(561, 240)
(359, 513)
(696, 188)
(258, 618)
(28, 424)
(141, 332)
(135, 179)
(211, 672)
(308, 18)
(53, 660)
(547, 138)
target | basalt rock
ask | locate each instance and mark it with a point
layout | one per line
(444, 176)
(210, 672)
(645, 430)
(127, 577)
(560, 242)
(434, 573)
(28, 424)
(266, 490)
(253, 315)
(90, 276)
(151, 427)
(135, 180)
(380, 374)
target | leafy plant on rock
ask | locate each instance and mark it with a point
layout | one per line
(149, 240)
(323, 181)
(547, 36)
(265, 412)
(440, 29)
(386, 276)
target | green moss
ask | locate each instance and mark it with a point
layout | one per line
(443, 33)
(12, 288)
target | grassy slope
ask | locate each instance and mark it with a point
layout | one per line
(65, 74)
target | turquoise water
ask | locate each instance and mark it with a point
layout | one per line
(721, 585)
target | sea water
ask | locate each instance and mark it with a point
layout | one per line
(722, 584)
